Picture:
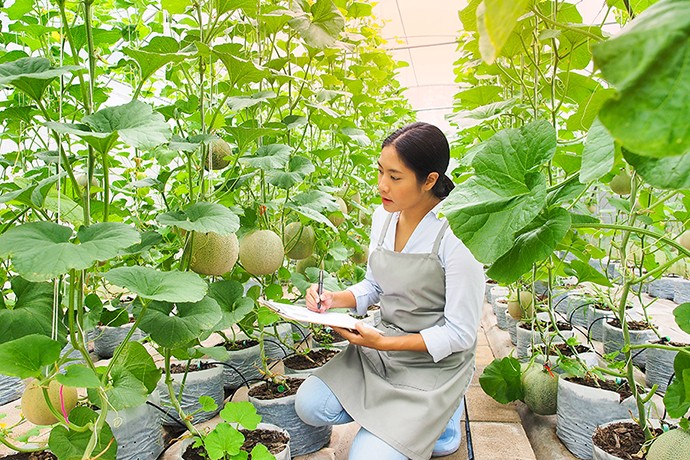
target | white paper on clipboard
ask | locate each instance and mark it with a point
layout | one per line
(297, 313)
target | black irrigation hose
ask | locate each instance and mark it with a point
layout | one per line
(277, 342)
(468, 432)
(165, 412)
(234, 369)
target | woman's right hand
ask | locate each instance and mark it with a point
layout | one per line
(312, 298)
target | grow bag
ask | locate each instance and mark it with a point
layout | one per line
(278, 341)
(580, 409)
(526, 338)
(242, 366)
(496, 292)
(108, 338)
(206, 382)
(681, 291)
(613, 340)
(11, 389)
(511, 325)
(659, 367)
(500, 306)
(138, 430)
(304, 438)
(663, 287)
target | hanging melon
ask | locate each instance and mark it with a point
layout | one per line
(298, 240)
(261, 252)
(213, 254)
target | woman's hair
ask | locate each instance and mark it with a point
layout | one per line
(424, 149)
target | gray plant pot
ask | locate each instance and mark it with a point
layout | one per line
(108, 338)
(681, 291)
(207, 382)
(659, 367)
(11, 389)
(500, 306)
(511, 325)
(613, 340)
(496, 292)
(304, 439)
(242, 366)
(663, 288)
(580, 409)
(374, 311)
(138, 430)
(278, 341)
(589, 358)
(527, 338)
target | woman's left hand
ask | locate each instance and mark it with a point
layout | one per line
(365, 336)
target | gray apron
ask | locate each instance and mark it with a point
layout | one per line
(403, 397)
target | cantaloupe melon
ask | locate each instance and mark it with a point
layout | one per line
(219, 150)
(298, 240)
(213, 254)
(261, 252)
(522, 307)
(35, 408)
(540, 389)
(620, 183)
(672, 445)
(362, 255)
(364, 218)
(302, 265)
(335, 218)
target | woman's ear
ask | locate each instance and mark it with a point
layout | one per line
(430, 181)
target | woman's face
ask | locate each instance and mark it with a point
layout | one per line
(398, 184)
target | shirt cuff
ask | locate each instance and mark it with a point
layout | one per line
(362, 295)
(436, 341)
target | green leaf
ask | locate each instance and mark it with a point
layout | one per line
(466, 119)
(242, 102)
(69, 444)
(682, 315)
(32, 312)
(208, 404)
(229, 296)
(242, 412)
(261, 452)
(157, 53)
(647, 63)
(496, 20)
(223, 441)
(598, 153)
(27, 356)
(175, 6)
(173, 286)
(359, 10)
(297, 169)
(587, 273)
(32, 75)
(501, 380)
(136, 360)
(175, 329)
(670, 173)
(42, 250)
(534, 243)
(265, 316)
(135, 123)
(569, 190)
(127, 390)
(19, 8)
(506, 192)
(80, 376)
(240, 71)
(273, 156)
(203, 217)
(321, 25)
(677, 397)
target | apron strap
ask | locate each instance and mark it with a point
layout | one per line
(437, 243)
(385, 229)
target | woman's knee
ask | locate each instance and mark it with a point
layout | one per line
(316, 404)
(366, 445)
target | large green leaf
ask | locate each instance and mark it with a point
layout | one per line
(203, 217)
(297, 169)
(682, 316)
(501, 380)
(80, 376)
(229, 296)
(157, 53)
(496, 20)
(42, 250)
(242, 412)
(469, 118)
(223, 441)
(586, 273)
(243, 102)
(71, 444)
(172, 286)
(677, 396)
(598, 153)
(135, 123)
(27, 356)
(671, 173)
(32, 312)
(312, 204)
(126, 390)
(173, 329)
(319, 24)
(240, 71)
(647, 63)
(273, 156)
(532, 244)
(506, 193)
(137, 361)
(31, 75)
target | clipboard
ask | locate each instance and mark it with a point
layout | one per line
(297, 313)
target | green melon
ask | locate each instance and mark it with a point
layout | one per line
(298, 240)
(219, 150)
(522, 308)
(364, 218)
(261, 252)
(35, 408)
(362, 255)
(671, 445)
(335, 218)
(620, 184)
(213, 254)
(302, 265)
(540, 390)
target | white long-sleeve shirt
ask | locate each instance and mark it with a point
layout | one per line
(464, 282)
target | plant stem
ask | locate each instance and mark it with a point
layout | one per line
(566, 26)
(641, 231)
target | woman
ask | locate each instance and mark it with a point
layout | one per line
(404, 387)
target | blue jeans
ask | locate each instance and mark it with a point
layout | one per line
(317, 405)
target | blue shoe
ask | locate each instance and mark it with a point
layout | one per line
(451, 437)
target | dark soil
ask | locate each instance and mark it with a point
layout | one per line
(622, 389)
(624, 439)
(562, 326)
(566, 350)
(327, 337)
(313, 359)
(31, 456)
(273, 440)
(239, 345)
(632, 325)
(180, 368)
(666, 341)
(269, 390)
(607, 307)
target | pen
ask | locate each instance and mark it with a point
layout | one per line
(320, 288)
